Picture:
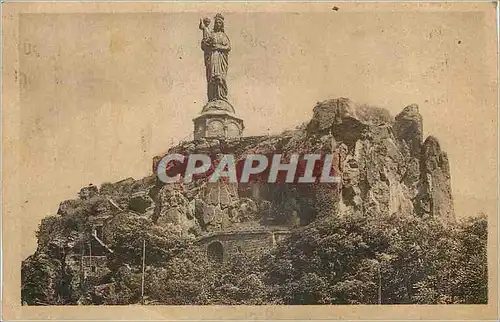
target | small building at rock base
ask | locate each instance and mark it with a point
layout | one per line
(220, 246)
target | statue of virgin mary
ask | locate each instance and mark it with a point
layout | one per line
(216, 49)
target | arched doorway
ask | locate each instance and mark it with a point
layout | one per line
(215, 252)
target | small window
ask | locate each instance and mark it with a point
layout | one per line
(93, 269)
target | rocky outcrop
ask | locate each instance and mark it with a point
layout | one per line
(173, 208)
(337, 117)
(384, 168)
(384, 165)
(372, 175)
(408, 128)
(434, 196)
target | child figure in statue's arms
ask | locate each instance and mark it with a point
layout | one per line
(204, 27)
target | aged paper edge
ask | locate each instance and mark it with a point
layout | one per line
(12, 309)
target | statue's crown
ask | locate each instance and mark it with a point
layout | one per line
(219, 16)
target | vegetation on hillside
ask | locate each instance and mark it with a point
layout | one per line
(335, 260)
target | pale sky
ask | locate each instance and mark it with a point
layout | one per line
(103, 93)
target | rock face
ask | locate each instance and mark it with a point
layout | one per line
(434, 196)
(338, 117)
(384, 165)
(381, 166)
(173, 208)
(409, 129)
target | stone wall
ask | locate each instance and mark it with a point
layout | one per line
(249, 242)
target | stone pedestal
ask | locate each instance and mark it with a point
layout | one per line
(218, 120)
